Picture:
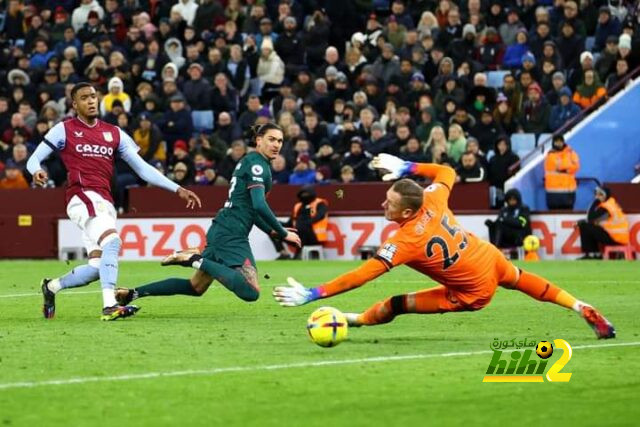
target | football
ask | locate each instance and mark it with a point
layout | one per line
(531, 243)
(327, 327)
(544, 349)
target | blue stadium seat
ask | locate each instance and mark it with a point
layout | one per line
(589, 43)
(202, 121)
(542, 138)
(495, 78)
(524, 142)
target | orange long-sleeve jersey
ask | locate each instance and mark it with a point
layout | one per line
(431, 242)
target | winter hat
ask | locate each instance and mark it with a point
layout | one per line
(115, 81)
(565, 91)
(267, 43)
(558, 75)
(358, 38)
(377, 126)
(535, 87)
(331, 71)
(584, 55)
(468, 29)
(180, 145)
(502, 98)
(417, 76)
(624, 42)
(528, 57)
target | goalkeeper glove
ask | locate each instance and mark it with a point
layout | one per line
(396, 166)
(295, 294)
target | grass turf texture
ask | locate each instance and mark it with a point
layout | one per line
(219, 331)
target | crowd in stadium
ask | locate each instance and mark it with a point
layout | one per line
(346, 80)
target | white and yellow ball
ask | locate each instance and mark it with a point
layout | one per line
(327, 327)
(531, 243)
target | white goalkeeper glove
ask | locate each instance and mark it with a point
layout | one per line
(396, 166)
(293, 295)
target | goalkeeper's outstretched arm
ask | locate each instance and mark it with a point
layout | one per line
(397, 168)
(295, 294)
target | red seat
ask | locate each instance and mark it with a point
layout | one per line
(626, 250)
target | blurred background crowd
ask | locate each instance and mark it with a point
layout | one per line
(439, 81)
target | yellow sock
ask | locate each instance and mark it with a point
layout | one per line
(565, 299)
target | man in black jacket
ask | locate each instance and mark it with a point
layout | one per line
(513, 223)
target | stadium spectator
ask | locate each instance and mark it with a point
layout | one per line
(80, 14)
(607, 26)
(270, 66)
(535, 111)
(469, 169)
(279, 172)
(13, 177)
(564, 111)
(436, 148)
(456, 143)
(150, 140)
(501, 163)
(176, 123)
(622, 69)
(513, 223)
(304, 172)
(228, 164)
(358, 159)
(590, 91)
(116, 92)
(606, 224)
(561, 166)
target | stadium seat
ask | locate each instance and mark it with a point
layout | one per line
(309, 251)
(542, 138)
(589, 43)
(626, 250)
(523, 142)
(495, 78)
(202, 120)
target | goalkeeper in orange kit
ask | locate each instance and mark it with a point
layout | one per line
(431, 241)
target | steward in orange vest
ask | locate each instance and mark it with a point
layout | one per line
(560, 168)
(606, 224)
(310, 218)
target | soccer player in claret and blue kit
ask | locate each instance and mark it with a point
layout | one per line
(88, 148)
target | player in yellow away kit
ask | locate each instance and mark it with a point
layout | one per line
(431, 241)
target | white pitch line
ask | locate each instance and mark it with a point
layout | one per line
(216, 371)
(40, 294)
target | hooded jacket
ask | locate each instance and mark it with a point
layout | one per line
(176, 57)
(560, 114)
(518, 216)
(500, 163)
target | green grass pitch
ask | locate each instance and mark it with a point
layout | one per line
(216, 360)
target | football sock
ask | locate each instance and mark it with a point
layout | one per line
(383, 312)
(109, 271)
(173, 286)
(81, 275)
(230, 278)
(542, 290)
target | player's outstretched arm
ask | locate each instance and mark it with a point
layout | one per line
(129, 153)
(397, 168)
(269, 220)
(40, 176)
(296, 294)
(262, 225)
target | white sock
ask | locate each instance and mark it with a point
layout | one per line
(577, 307)
(197, 264)
(54, 285)
(109, 297)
